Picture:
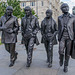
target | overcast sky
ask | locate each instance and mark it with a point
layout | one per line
(71, 3)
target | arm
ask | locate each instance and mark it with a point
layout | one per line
(36, 27)
(16, 27)
(42, 28)
(59, 29)
(22, 27)
(55, 28)
(1, 28)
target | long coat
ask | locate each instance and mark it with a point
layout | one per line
(70, 26)
(53, 30)
(34, 25)
(10, 25)
(71, 31)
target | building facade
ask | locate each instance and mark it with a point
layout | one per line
(40, 7)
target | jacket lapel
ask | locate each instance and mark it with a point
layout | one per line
(8, 22)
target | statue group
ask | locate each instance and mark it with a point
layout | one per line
(29, 29)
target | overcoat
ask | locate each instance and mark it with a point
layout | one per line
(34, 26)
(9, 34)
(70, 26)
(71, 31)
(53, 29)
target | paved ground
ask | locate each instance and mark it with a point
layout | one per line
(38, 66)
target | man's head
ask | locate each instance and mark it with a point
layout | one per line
(65, 8)
(27, 10)
(73, 10)
(49, 13)
(9, 10)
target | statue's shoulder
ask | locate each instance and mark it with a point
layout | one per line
(24, 17)
(34, 17)
(53, 20)
(14, 17)
(60, 16)
(44, 19)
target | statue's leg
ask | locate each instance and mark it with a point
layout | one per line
(61, 51)
(67, 54)
(13, 54)
(26, 46)
(46, 47)
(30, 51)
(7, 47)
(50, 53)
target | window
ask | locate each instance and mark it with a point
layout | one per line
(42, 3)
(32, 3)
(23, 4)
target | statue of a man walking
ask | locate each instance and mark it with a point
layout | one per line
(29, 28)
(9, 27)
(65, 35)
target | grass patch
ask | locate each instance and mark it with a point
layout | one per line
(0, 42)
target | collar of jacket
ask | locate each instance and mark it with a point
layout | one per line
(69, 15)
(6, 15)
(29, 17)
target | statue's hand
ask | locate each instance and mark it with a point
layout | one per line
(2, 28)
(10, 31)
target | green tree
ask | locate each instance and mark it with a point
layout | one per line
(16, 7)
(2, 8)
(17, 11)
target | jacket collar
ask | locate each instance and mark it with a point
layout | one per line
(29, 17)
(68, 15)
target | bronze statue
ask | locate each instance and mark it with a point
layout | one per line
(65, 35)
(49, 31)
(9, 27)
(29, 28)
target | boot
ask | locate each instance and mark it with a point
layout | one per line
(11, 63)
(28, 65)
(65, 69)
(66, 63)
(61, 59)
(50, 62)
(50, 65)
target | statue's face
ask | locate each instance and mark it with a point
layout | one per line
(65, 9)
(27, 12)
(9, 12)
(48, 14)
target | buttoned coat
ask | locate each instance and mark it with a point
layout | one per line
(53, 29)
(70, 26)
(34, 25)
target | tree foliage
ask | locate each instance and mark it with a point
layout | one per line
(2, 8)
(16, 7)
(17, 11)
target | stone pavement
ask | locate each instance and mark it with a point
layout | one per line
(38, 66)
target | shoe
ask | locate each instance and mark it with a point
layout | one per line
(49, 65)
(65, 69)
(28, 65)
(11, 64)
(61, 63)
